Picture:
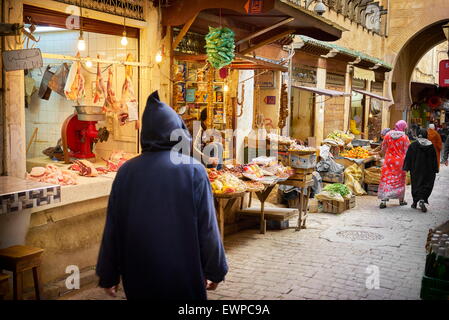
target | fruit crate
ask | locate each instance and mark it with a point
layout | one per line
(434, 289)
(350, 203)
(284, 158)
(301, 160)
(331, 206)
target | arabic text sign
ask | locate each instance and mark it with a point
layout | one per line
(22, 59)
(444, 73)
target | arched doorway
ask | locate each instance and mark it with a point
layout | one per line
(409, 56)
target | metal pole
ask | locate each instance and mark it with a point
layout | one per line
(289, 92)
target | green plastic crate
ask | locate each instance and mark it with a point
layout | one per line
(434, 289)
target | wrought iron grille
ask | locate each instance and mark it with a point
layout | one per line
(133, 9)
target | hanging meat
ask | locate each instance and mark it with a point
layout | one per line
(111, 104)
(74, 87)
(128, 101)
(100, 88)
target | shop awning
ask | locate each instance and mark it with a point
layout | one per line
(372, 95)
(358, 58)
(363, 74)
(325, 92)
(259, 21)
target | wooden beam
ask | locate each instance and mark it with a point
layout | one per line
(267, 41)
(183, 31)
(258, 33)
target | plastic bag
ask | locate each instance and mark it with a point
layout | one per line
(329, 161)
(353, 177)
(328, 195)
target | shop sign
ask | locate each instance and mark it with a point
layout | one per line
(444, 73)
(270, 100)
(23, 59)
(254, 6)
(304, 75)
(335, 79)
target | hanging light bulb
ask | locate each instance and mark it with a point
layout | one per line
(158, 57)
(124, 40)
(81, 42)
(88, 63)
(226, 88)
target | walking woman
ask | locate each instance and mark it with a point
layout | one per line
(421, 161)
(392, 182)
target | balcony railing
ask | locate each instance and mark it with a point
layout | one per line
(367, 13)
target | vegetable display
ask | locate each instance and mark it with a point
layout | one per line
(220, 47)
(337, 135)
(338, 188)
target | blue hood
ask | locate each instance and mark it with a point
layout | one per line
(158, 122)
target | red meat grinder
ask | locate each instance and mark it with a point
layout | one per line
(79, 133)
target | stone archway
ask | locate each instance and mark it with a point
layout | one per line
(414, 29)
(406, 61)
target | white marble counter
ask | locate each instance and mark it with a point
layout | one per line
(20, 194)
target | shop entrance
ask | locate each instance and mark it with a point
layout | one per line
(303, 114)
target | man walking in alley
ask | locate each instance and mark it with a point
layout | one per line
(421, 161)
(161, 236)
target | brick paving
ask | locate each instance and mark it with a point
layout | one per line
(285, 264)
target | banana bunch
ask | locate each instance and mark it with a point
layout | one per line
(220, 47)
(353, 127)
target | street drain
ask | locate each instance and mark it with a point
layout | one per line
(359, 235)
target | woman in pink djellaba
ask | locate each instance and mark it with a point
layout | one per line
(392, 182)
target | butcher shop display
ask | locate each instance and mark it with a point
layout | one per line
(74, 87)
(52, 174)
(100, 87)
(117, 159)
(87, 169)
(128, 100)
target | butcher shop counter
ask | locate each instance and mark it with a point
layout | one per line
(69, 231)
(88, 188)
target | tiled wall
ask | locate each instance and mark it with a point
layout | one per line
(48, 115)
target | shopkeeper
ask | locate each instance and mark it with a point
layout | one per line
(209, 152)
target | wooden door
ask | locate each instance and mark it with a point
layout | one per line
(302, 115)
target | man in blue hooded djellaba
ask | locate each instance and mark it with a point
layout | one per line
(161, 235)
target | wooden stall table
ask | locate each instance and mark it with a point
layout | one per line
(303, 203)
(264, 213)
(223, 205)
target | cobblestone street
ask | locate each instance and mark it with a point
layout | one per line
(322, 262)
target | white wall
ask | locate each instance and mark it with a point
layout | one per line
(48, 115)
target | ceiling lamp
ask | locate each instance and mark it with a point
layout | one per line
(124, 40)
(81, 42)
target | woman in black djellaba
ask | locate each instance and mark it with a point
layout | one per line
(421, 161)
